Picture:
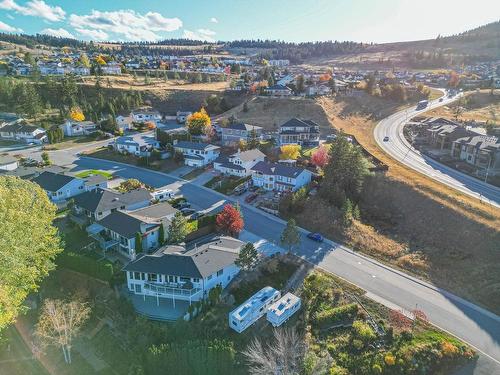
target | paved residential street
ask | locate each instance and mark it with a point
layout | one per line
(390, 287)
(478, 327)
(400, 149)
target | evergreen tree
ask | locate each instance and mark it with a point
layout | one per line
(161, 234)
(178, 229)
(290, 235)
(344, 173)
(247, 257)
(347, 215)
(138, 243)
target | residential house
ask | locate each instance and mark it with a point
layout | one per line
(281, 310)
(60, 187)
(95, 181)
(299, 132)
(145, 115)
(240, 163)
(139, 145)
(482, 151)
(279, 176)
(111, 68)
(442, 136)
(184, 273)
(99, 203)
(253, 309)
(124, 123)
(8, 163)
(73, 128)
(119, 230)
(81, 70)
(318, 90)
(181, 116)
(197, 154)
(278, 90)
(279, 63)
(234, 133)
(20, 131)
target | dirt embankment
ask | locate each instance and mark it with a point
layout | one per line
(414, 222)
(270, 113)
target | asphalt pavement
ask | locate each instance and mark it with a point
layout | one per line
(400, 149)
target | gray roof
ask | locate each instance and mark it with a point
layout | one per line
(278, 87)
(94, 179)
(296, 122)
(277, 169)
(249, 155)
(18, 127)
(140, 141)
(52, 181)
(195, 145)
(199, 261)
(122, 223)
(242, 126)
(482, 142)
(104, 199)
(155, 211)
(224, 162)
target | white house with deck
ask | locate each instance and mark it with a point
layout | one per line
(197, 154)
(240, 163)
(184, 273)
(279, 176)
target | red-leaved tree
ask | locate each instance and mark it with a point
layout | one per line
(320, 157)
(399, 320)
(229, 220)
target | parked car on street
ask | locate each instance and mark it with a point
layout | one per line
(315, 237)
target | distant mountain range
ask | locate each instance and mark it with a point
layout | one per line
(479, 44)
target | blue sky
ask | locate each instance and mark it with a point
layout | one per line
(291, 20)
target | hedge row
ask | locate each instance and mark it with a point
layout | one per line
(102, 270)
(336, 314)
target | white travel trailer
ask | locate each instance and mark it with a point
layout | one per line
(252, 309)
(280, 311)
(162, 194)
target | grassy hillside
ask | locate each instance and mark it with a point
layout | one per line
(270, 113)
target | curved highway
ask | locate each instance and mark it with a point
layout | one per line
(400, 149)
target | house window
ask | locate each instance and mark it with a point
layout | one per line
(185, 279)
(196, 280)
(138, 288)
(153, 277)
(209, 277)
(137, 275)
(220, 272)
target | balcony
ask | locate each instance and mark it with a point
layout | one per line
(171, 290)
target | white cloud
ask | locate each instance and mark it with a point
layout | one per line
(214, 20)
(9, 29)
(10, 16)
(37, 8)
(62, 33)
(93, 34)
(127, 24)
(205, 35)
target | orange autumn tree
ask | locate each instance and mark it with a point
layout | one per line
(290, 152)
(229, 220)
(76, 114)
(198, 122)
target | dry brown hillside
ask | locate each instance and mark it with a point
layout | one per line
(412, 221)
(270, 113)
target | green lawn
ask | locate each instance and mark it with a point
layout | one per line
(90, 172)
(70, 142)
(16, 357)
(193, 174)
